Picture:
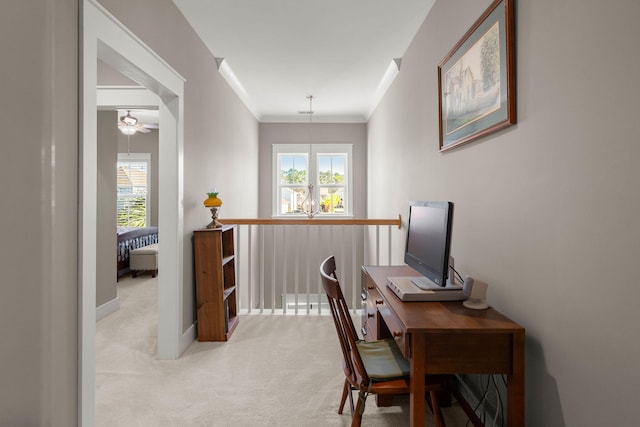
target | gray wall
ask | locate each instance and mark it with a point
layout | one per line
(39, 218)
(220, 134)
(39, 166)
(328, 133)
(106, 219)
(546, 211)
(110, 77)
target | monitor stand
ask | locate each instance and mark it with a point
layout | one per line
(429, 285)
(406, 290)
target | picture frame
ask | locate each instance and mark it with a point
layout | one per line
(477, 79)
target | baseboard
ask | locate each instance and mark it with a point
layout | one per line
(187, 338)
(107, 308)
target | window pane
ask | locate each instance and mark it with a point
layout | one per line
(292, 199)
(131, 211)
(331, 168)
(331, 200)
(327, 166)
(131, 203)
(293, 169)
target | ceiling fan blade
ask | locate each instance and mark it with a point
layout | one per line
(150, 125)
(142, 129)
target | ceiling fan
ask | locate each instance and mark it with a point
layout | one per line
(129, 125)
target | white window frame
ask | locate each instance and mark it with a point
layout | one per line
(141, 157)
(311, 151)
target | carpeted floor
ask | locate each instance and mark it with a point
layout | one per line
(275, 371)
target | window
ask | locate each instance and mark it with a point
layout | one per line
(133, 176)
(326, 166)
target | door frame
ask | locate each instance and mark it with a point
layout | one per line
(104, 37)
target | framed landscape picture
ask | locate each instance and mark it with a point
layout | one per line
(476, 80)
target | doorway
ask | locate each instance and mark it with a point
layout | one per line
(104, 38)
(128, 174)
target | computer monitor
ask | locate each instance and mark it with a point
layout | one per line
(428, 243)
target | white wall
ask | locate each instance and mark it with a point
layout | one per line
(546, 211)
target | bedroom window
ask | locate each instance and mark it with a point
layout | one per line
(133, 178)
(326, 166)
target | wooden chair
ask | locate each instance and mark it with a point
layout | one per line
(376, 367)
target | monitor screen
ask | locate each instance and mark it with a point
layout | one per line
(428, 241)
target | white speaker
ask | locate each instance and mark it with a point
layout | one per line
(477, 292)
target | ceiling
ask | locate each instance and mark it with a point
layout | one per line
(281, 51)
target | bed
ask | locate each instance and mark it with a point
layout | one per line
(130, 238)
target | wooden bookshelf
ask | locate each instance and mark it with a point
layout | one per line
(215, 274)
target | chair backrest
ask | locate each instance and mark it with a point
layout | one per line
(353, 367)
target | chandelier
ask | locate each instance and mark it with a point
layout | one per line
(309, 203)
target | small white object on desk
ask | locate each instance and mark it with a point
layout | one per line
(477, 292)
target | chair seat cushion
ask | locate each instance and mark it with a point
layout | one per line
(383, 360)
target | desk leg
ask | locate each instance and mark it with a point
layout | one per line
(515, 384)
(416, 399)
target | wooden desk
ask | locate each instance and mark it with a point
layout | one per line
(445, 338)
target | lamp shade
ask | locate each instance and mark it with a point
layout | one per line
(128, 130)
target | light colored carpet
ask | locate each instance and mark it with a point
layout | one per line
(275, 371)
